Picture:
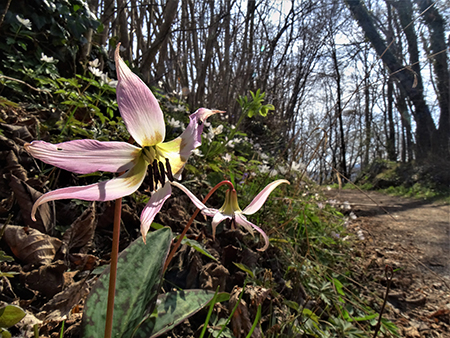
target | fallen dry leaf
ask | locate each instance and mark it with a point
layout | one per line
(62, 303)
(48, 279)
(14, 167)
(26, 196)
(16, 131)
(81, 232)
(30, 245)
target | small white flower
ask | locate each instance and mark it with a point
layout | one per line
(227, 158)
(230, 144)
(94, 63)
(353, 216)
(108, 81)
(46, 58)
(25, 22)
(282, 169)
(160, 84)
(264, 156)
(273, 173)
(210, 135)
(197, 152)
(218, 130)
(264, 169)
(174, 123)
(95, 71)
(297, 166)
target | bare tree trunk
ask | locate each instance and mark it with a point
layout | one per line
(148, 57)
(436, 26)
(342, 150)
(426, 129)
(124, 38)
(209, 47)
(106, 19)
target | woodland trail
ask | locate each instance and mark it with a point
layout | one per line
(413, 237)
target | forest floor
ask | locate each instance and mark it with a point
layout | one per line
(413, 237)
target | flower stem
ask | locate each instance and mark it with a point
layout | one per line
(113, 269)
(191, 220)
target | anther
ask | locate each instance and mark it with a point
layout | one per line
(169, 171)
(155, 173)
(151, 177)
(162, 176)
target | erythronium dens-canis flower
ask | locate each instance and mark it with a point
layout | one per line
(230, 208)
(144, 120)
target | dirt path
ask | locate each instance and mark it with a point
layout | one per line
(413, 237)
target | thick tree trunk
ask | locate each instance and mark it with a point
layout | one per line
(436, 26)
(426, 133)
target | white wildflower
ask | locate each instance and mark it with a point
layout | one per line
(174, 123)
(108, 81)
(25, 22)
(264, 156)
(218, 130)
(46, 58)
(227, 158)
(264, 169)
(282, 169)
(97, 72)
(95, 63)
(273, 173)
(197, 152)
(230, 144)
(297, 166)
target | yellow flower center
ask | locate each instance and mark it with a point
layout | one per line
(231, 205)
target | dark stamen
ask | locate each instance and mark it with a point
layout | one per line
(151, 177)
(155, 173)
(169, 171)
(163, 175)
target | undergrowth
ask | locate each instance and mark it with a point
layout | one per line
(312, 273)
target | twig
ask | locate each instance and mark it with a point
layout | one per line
(113, 269)
(4, 13)
(389, 273)
(26, 84)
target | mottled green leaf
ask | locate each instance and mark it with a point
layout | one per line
(172, 309)
(139, 272)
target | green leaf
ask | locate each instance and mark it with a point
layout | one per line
(173, 308)
(338, 285)
(5, 258)
(139, 272)
(245, 268)
(10, 315)
(197, 246)
(4, 333)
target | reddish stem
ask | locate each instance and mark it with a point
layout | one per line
(191, 220)
(113, 269)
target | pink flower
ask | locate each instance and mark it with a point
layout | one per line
(230, 208)
(145, 123)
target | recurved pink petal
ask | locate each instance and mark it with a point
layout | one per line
(217, 219)
(179, 149)
(193, 198)
(138, 106)
(153, 206)
(242, 220)
(86, 156)
(261, 198)
(118, 187)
